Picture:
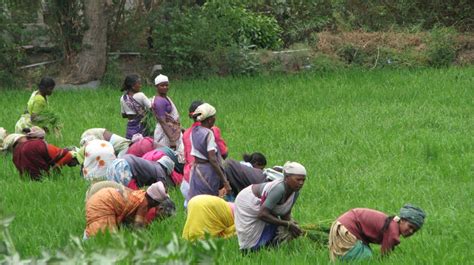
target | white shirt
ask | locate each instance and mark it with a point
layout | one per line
(211, 145)
(140, 98)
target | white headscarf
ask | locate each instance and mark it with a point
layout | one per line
(294, 168)
(10, 140)
(3, 134)
(157, 191)
(161, 79)
(204, 111)
(167, 163)
(36, 132)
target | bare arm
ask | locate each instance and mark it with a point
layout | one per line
(217, 168)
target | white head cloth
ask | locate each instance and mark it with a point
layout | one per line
(157, 191)
(294, 168)
(161, 79)
(10, 140)
(168, 163)
(204, 111)
(3, 134)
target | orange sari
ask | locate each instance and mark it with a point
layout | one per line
(109, 207)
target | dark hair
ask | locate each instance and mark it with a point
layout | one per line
(255, 159)
(385, 226)
(46, 82)
(193, 107)
(130, 81)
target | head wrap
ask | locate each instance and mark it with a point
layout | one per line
(3, 134)
(204, 111)
(137, 137)
(294, 168)
(10, 140)
(161, 79)
(86, 139)
(157, 191)
(167, 163)
(36, 132)
(413, 214)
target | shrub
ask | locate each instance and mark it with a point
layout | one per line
(11, 55)
(441, 51)
(214, 38)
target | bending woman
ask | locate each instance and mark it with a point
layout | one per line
(241, 175)
(134, 105)
(119, 143)
(207, 176)
(209, 214)
(261, 208)
(353, 231)
(34, 156)
(37, 112)
(136, 172)
(110, 207)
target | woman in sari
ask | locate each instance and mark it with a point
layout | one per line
(133, 105)
(136, 172)
(96, 156)
(141, 146)
(35, 157)
(168, 128)
(243, 174)
(110, 207)
(119, 143)
(352, 232)
(211, 215)
(260, 209)
(221, 145)
(207, 176)
(37, 110)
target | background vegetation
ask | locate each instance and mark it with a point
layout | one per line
(372, 139)
(223, 37)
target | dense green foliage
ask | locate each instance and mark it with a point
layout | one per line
(212, 38)
(372, 139)
(221, 37)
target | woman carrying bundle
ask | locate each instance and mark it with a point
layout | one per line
(37, 110)
(110, 207)
(206, 175)
(134, 105)
(352, 232)
(261, 209)
(211, 215)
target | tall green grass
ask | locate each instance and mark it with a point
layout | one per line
(368, 139)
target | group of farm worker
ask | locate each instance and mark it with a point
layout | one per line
(130, 177)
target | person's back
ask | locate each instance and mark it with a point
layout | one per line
(147, 172)
(32, 157)
(366, 225)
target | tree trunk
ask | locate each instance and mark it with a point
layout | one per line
(91, 62)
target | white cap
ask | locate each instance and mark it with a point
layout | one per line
(294, 168)
(161, 79)
(204, 111)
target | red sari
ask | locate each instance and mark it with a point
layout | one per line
(36, 157)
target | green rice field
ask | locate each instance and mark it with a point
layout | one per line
(375, 139)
